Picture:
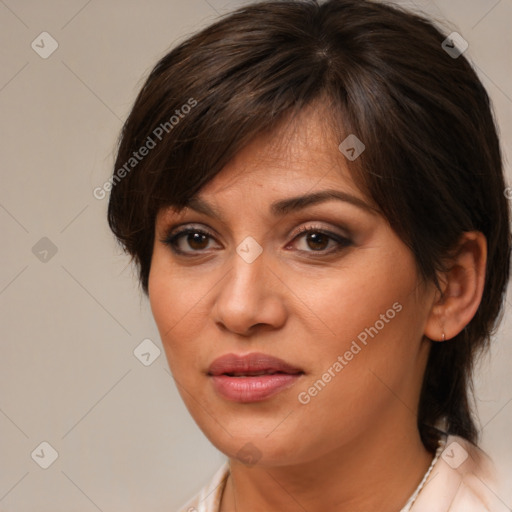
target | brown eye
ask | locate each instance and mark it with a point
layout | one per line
(188, 241)
(317, 241)
(197, 240)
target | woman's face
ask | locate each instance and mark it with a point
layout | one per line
(341, 304)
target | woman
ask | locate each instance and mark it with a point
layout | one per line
(313, 194)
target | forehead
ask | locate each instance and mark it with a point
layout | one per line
(297, 154)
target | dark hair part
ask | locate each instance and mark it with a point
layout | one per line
(432, 161)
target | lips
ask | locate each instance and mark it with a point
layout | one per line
(250, 365)
(251, 378)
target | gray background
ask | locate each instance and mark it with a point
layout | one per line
(71, 320)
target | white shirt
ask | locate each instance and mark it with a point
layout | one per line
(462, 480)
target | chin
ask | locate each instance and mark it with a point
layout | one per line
(255, 446)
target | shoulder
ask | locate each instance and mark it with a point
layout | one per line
(462, 480)
(208, 498)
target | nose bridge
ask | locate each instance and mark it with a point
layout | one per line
(243, 288)
(247, 268)
(246, 297)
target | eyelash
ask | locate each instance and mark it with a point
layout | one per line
(172, 238)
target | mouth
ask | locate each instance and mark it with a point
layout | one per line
(251, 365)
(251, 378)
(256, 373)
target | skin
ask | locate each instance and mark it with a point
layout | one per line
(355, 446)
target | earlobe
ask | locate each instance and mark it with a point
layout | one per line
(462, 287)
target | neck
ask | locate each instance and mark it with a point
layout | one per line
(375, 471)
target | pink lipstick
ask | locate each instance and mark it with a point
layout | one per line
(252, 377)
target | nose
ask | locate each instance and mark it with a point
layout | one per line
(250, 299)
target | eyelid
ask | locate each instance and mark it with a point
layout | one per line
(178, 228)
(317, 227)
(175, 229)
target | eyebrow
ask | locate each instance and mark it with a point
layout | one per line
(291, 204)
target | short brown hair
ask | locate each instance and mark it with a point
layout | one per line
(432, 161)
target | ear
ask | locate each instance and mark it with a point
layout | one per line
(462, 287)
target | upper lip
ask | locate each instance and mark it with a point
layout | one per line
(254, 363)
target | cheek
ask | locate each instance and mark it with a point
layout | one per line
(351, 300)
(368, 314)
(162, 298)
(179, 305)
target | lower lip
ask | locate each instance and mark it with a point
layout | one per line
(252, 389)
